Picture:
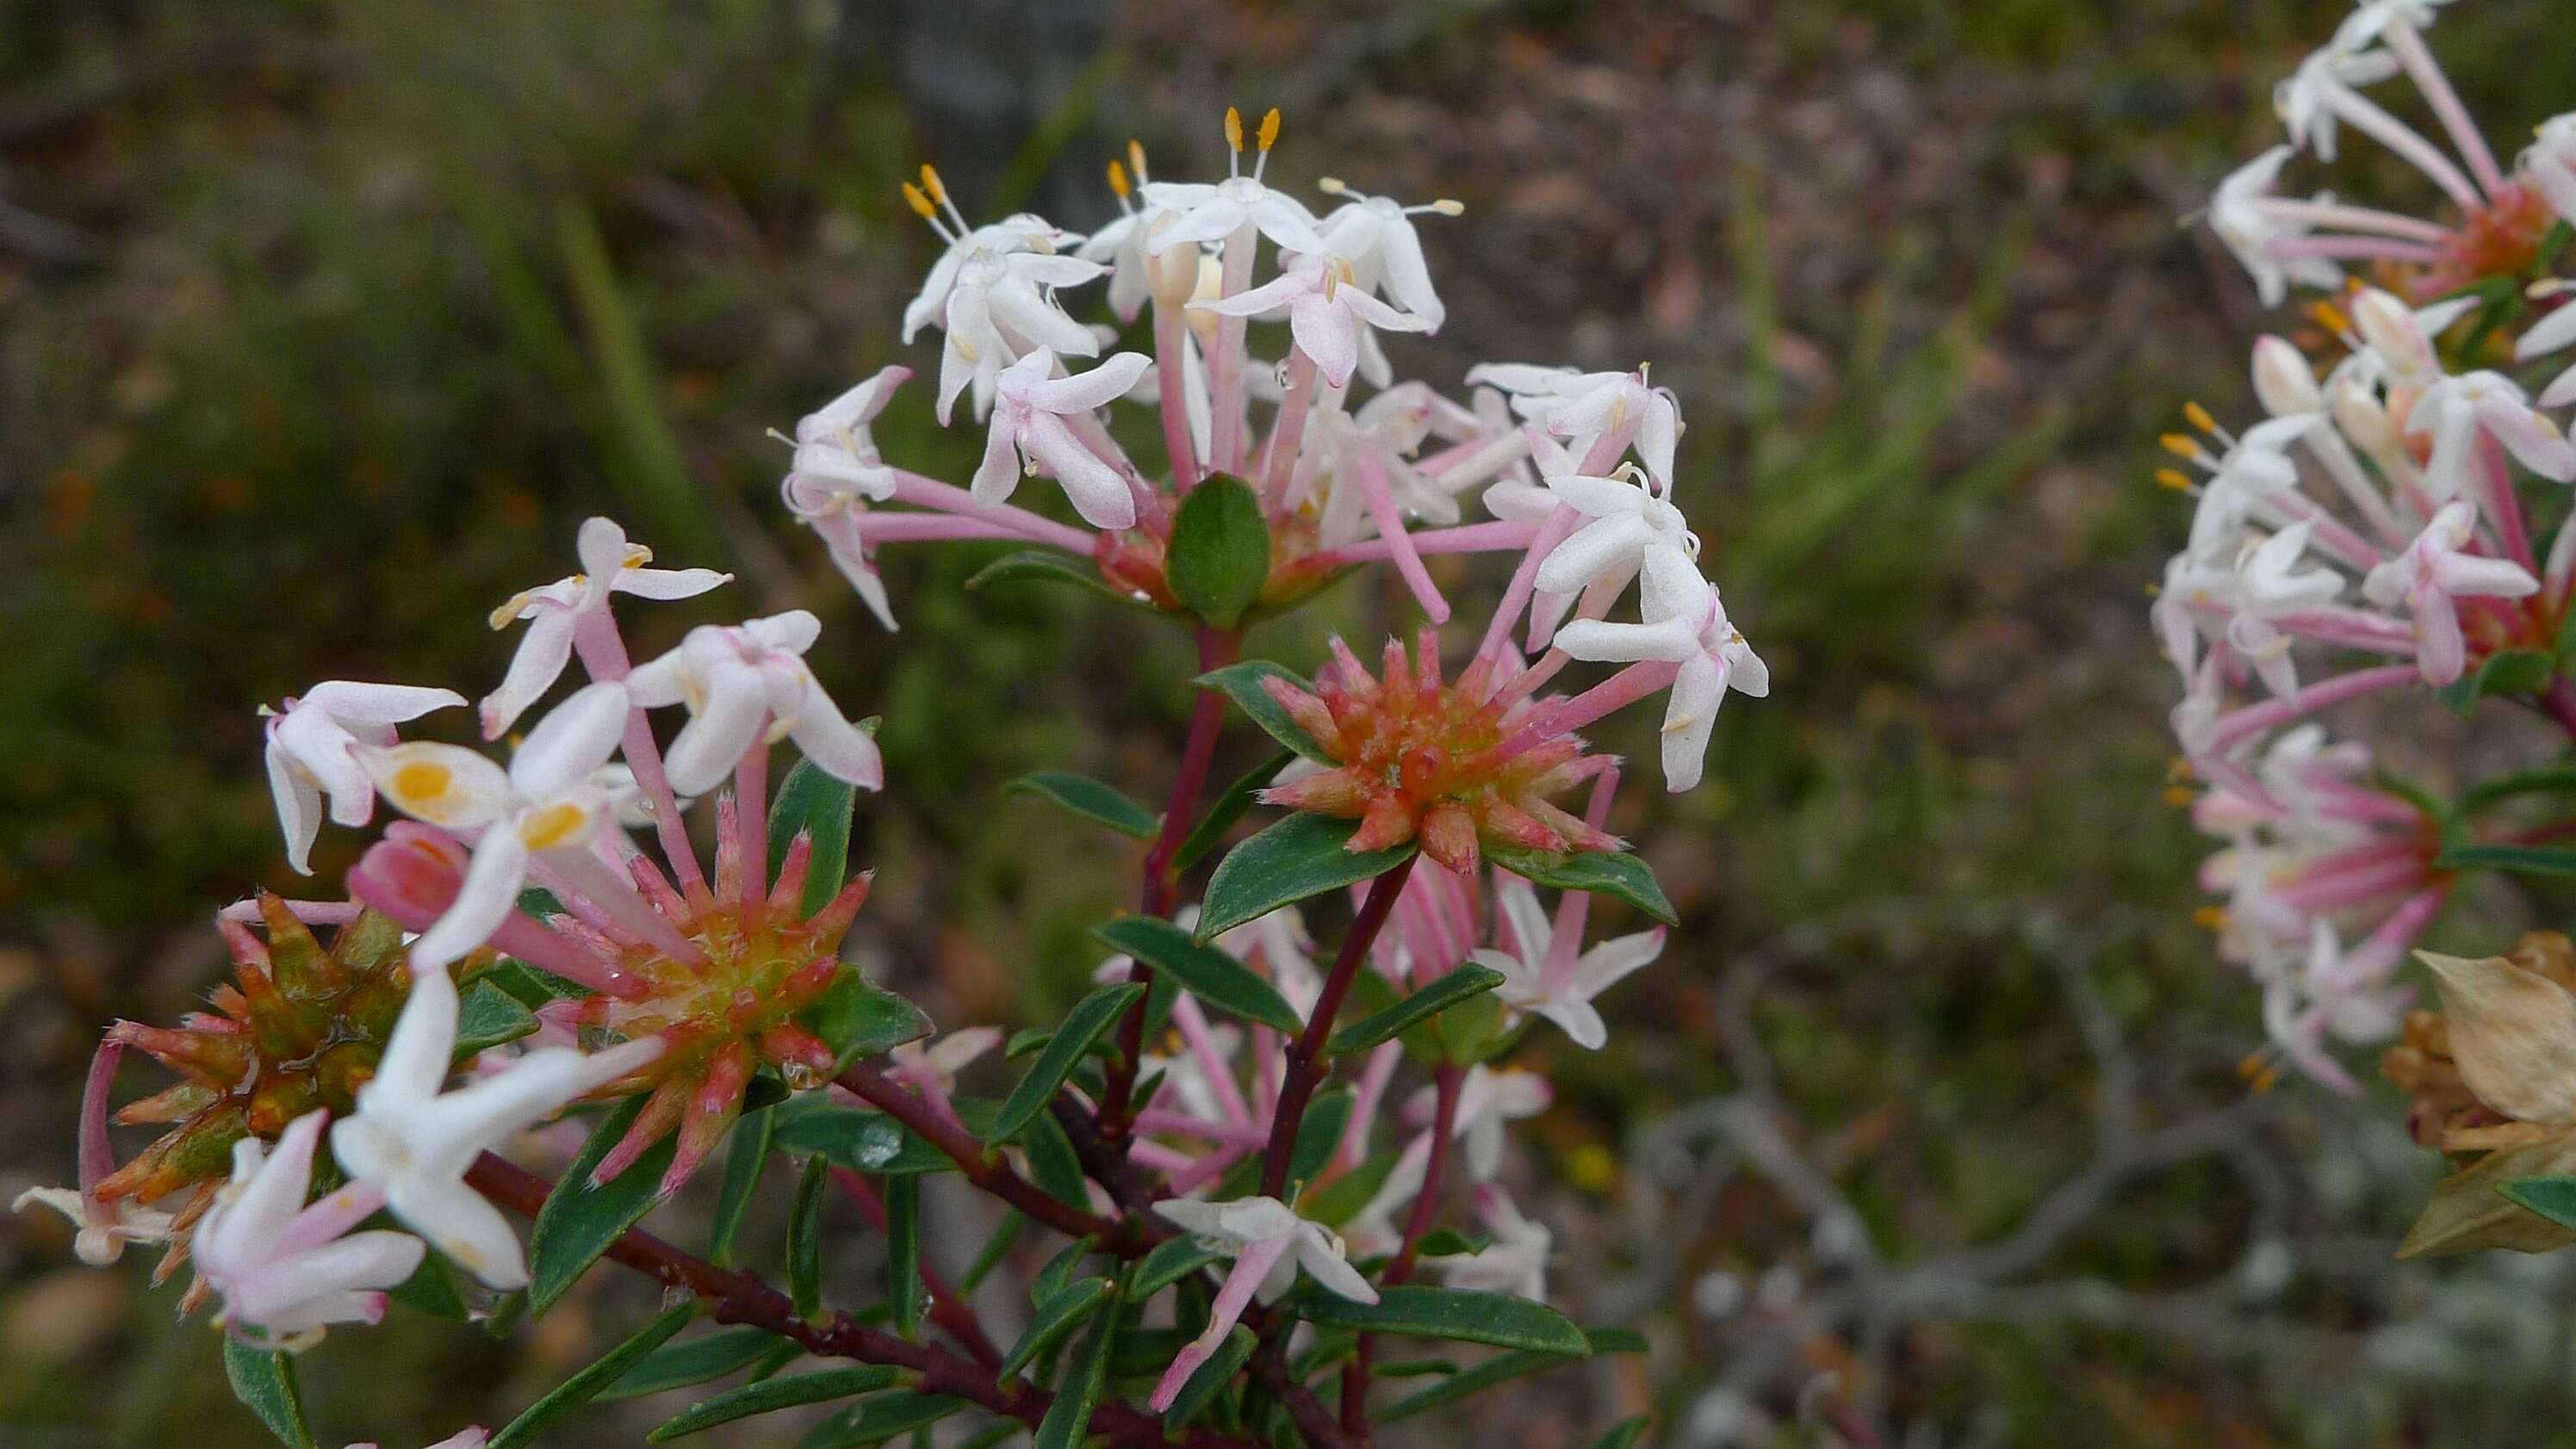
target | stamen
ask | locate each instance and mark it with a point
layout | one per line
(1118, 182)
(938, 192)
(1330, 185)
(2199, 417)
(1444, 207)
(2183, 445)
(1233, 142)
(2175, 479)
(1269, 133)
(1136, 160)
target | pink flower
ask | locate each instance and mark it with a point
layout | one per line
(287, 1271)
(2430, 578)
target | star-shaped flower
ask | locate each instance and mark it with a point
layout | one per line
(555, 613)
(312, 753)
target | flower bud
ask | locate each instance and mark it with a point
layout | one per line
(2283, 381)
(1172, 274)
(412, 875)
(1207, 286)
(2389, 326)
(2362, 417)
(2512, 1031)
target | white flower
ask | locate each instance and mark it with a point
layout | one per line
(1375, 234)
(1029, 434)
(2305, 100)
(2456, 410)
(1328, 311)
(2549, 164)
(2251, 230)
(2432, 575)
(2269, 584)
(102, 1228)
(1685, 623)
(1020, 232)
(554, 612)
(1487, 1100)
(1579, 406)
(1632, 520)
(835, 455)
(312, 752)
(1003, 306)
(544, 804)
(934, 1065)
(731, 679)
(1515, 1262)
(287, 1270)
(1568, 1001)
(414, 1142)
(1121, 244)
(1211, 213)
(1269, 1244)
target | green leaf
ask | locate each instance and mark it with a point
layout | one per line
(1006, 1235)
(1451, 1243)
(1061, 1312)
(805, 1237)
(874, 1421)
(1608, 873)
(1047, 566)
(2538, 780)
(1242, 684)
(2553, 1198)
(1339, 1201)
(1624, 1434)
(1068, 1419)
(2467, 1210)
(1089, 1018)
(853, 1137)
(857, 1018)
(580, 1220)
(1319, 1135)
(487, 1017)
(264, 1380)
(1093, 801)
(1053, 1164)
(1440, 995)
(433, 1289)
(527, 985)
(1297, 857)
(1210, 1378)
(1460, 1314)
(771, 1394)
(1219, 554)
(2521, 859)
(1206, 972)
(1209, 833)
(1502, 1368)
(2507, 671)
(744, 1155)
(678, 1365)
(586, 1385)
(1060, 1269)
(903, 1253)
(1172, 1260)
(815, 804)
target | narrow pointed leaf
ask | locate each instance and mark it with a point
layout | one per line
(1068, 1419)
(1297, 857)
(1210, 974)
(745, 1153)
(813, 803)
(264, 1381)
(805, 1237)
(1209, 833)
(489, 1016)
(1172, 1260)
(875, 1420)
(1089, 1018)
(1319, 1134)
(586, 1385)
(1047, 566)
(1241, 683)
(1502, 1368)
(1625, 1434)
(1090, 799)
(2553, 1198)
(1458, 1314)
(1616, 874)
(768, 1395)
(678, 1365)
(1053, 1164)
(2520, 859)
(1063, 1311)
(903, 1253)
(1440, 995)
(579, 1220)
(857, 1018)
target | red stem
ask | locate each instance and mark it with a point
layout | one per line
(1446, 1082)
(1306, 1066)
(984, 1167)
(739, 1297)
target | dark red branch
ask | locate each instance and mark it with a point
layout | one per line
(1446, 1082)
(1306, 1065)
(952, 1313)
(983, 1166)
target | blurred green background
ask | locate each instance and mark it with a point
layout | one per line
(322, 326)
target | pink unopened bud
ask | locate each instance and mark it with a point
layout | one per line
(412, 875)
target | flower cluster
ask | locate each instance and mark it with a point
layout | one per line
(2373, 535)
(545, 930)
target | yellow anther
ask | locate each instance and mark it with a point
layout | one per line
(2330, 318)
(1330, 185)
(2179, 796)
(2198, 416)
(919, 203)
(2175, 479)
(2181, 445)
(2264, 1080)
(1269, 134)
(1118, 179)
(1447, 207)
(422, 782)
(1136, 158)
(930, 183)
(1233, 128)
(552, 826)
(2210, 918)
(2179, 768)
